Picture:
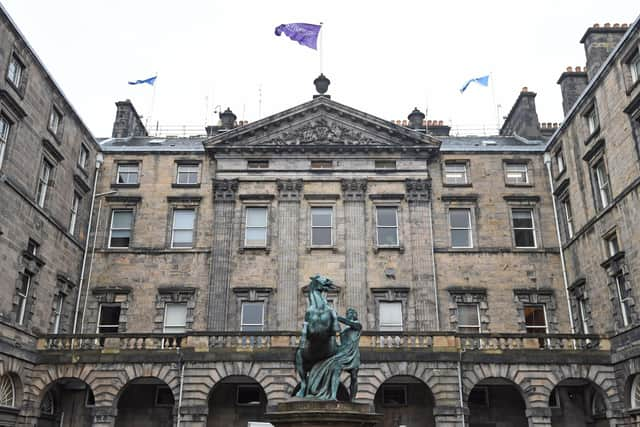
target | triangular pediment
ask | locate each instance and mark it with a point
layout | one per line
(322, 124)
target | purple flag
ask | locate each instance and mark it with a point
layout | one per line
(305, 34)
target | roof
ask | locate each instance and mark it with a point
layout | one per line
(152, 144)
(490, 144)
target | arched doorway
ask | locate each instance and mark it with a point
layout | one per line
(578, 402)
(236, 401)
(66, 402)
(145, 401)
(496, 402)
(10, 398)
(405, 401)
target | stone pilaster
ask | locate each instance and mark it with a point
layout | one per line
(224, 198)
(193, 416)
(354, 191)
(289, 191)
(450, 416)
(104, 416)
(418, 194)
(539, 417)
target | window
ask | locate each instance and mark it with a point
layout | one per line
(164, 396)
(58, 304)
(89, 398)
(182, 230)
(108, 318)
(479, 396)
(252, 316)
(634, 65)
(582, 315)
(635, 392)
(257, 164)
(455, 173)
(559, 157)
(624, 299)
(23, 295)
(120, 233)
(535, 319)
(394, 395)
(248, 395)
(83, 157)
(601, 182)
(516, 173)
(15, 71)
(43, 182)
(568, 216)
(127, 174)
(322, 226)
(460, 223)
(7, 392)
(385, 164)
(321, 164)
(523, 228)
(187, 174)
(175, 318)
(256, 227)
(32, 247)
(390, 316)
(74, 212)
(592, 120)
(387, 226)
(612, 245)
(5, 126)
(54, 121)
(468, 318)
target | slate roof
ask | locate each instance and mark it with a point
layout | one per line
(490, 144)
(152, 144)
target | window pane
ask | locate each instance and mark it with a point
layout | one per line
(175, 315)
(522, 218)
(391, 314)
(534, 316)
(256, 236)
(321, 217)
(468, 315)
(120, 238)
(524, 238)
(386, 217)
(459, 218)
(122, 219)
(321, 236)
(183, 219)
(256, 217)
(109, 318)
(252, 313)
(182, 238)
(460, 238)
(387, 236)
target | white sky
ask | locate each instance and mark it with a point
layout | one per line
(382, 57)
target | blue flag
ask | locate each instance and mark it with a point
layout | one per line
(150, 80)
(305, 34)
(484, 81)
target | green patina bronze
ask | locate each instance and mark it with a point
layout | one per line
(320, 359)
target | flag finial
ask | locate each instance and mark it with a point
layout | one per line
(322, 85)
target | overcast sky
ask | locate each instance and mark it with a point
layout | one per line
(383, 57)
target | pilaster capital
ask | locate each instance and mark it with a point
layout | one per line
(354, 190)
(418, 190)
(289, 189)
(224, 190)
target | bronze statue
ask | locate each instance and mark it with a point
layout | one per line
(319, 359)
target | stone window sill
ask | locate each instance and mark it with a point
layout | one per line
(448, 184)
(176, 185)
(117, 185)
(265, 249)
(331, 248)
(399, 248)
(593, 136)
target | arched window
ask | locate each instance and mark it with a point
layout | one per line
(47, 406)
(598, 407)
(635, 392)
(7, 392)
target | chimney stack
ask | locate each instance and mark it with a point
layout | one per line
(128, 122)
(572, 84)
(599, 42)
(523, 117)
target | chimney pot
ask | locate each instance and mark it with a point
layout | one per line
(555, 125)
(424, 122)
(625, 25)
(578, 69)
(616, 25)
(596, 25)
(440, 122)
(404, 123)
(607, 25)
(569, 69)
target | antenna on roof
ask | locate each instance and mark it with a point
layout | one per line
(260, 101)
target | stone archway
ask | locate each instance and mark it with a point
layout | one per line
(405, 400)
(497, 400)
(146, 401)
(578, 402)
(236, 400)
(66, 402)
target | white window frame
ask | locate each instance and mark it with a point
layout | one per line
(7, 385)
(330, 227)
(43, 181)
(602, 183)
(390, 327)
(582, 313)
(635, 392)
(23, 298)
(514, 171)
(122, 170)
(560, 164)
(546, 319)
(612, 244)
(99, 325)
(75, 204)
(83, 157)
(55, 118)
(397, 226)
(634, 66)
(164, 320)
(15, 76)
(592, 120)
(248, 386)
(568, 215)
(57, 312)
(5, 128)
(625, 315)
(265, 227)
(477, 307)
(533, 227)
(174, 229)
(243, 324)
(450, 169)
(469, 229)
(188, 169)
(111, 229)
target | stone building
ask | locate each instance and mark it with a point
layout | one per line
(183, 306)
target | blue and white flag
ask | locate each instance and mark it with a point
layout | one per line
(484, 81)
(150, 80)
(305, 34)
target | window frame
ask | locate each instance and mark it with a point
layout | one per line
(4, 136)
(57, 311)
(17, 83)
(23, 297)
(385, 164)
(634, 398)
(321, 164)
(612, 244)
(389, 327)
(242, 322)
(469, 229)
(54, 124)
(193, 210)
(625, 311)
(9, 380)
(601, 183)
(513, 163)
(75, 206)
(559, 160)
(120, 165)
(459, 326)
(396, 209)
(634, 67)
(164, 318)
(83, 156)
(593, 121)
(111, 229)
(454, 163)
(544, 312)
(582, 315)
(565, 203)
(331, 208)
(265, 227)
(195, 166)
(401, 387)
(533, 226)
(99, 324)
(44, 181)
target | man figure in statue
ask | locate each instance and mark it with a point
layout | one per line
(348, 353)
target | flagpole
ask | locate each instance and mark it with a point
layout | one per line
(321, 47)
(493, 98)
(153, 101)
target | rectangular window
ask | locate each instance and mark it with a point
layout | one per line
(43, 182)
(468, 318)
(601, 181)
(535, 319)
(164, 396)
(15, 71)
(54, 121)
(83, 157)
(188, 174)
(32, 247)
(256, 227)
(624, 299)
(455, 173)
(322, 226)
(248, 395)
(23, 295)
(634, 65)
(611, 242)
(568, 216)
(516, 173)
(121, 224)
(460, 223)
(252, 316)
(5, 126)
(74, 213)
(592, 120)
(394, 395)
(387, 226)
(524, 232)
(582, 316)
(108, 318)
(385, 164)
(57, 312)
(321, 164)
(559, 156)
(390, 316)
(182, 230)
(175, 318)
(257, 164)
(127, 174)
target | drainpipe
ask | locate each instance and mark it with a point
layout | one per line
(99, 161)
(433, 265)
(460, 394)
(181, 364)
(547, 162)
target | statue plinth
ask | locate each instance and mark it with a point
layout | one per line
(298, 412)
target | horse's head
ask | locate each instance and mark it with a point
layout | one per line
(321, 284)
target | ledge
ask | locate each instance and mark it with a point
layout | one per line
(119, 185)
(256, 197)
(519, 198)
(593, 151)
(12, 104)
(593, 136)
(612, 259)
(124, 199)
(459, 197)
(386, 196)
(321, 196)
(562, 187)
(80, 182)
(176, 185)
(53, 150)
(465, 185)
(187, 198)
